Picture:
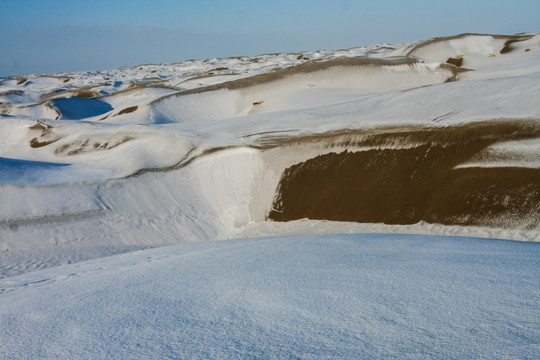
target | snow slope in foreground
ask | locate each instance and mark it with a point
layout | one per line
(334, 296)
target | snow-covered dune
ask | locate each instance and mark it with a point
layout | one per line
(101, 171)
(436, 136)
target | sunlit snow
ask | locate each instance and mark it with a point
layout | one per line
(116, 185)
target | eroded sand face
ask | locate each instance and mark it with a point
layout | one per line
(417, 181)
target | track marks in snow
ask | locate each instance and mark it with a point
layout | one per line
(15, 223)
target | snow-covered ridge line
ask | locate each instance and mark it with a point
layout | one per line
(194, 74)
(310, 67)
(274, 90)
(507, 41)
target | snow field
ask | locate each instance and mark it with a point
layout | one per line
(333, 296)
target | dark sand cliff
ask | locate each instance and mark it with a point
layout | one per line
(417, 181)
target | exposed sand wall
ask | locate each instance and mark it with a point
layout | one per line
(416, 183)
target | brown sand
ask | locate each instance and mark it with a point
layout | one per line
(128, 110)
(458, 61)
(35, 143)
(508, 46)
(89, 145)
(142, 84)
(46, 136)
(408, 185)
(87, 94)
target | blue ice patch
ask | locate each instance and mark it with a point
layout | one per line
(74, 108)
(17, 171)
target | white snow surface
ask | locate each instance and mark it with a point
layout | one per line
(116, 184)
(353, 296)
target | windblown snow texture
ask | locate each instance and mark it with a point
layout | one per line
(333, 296)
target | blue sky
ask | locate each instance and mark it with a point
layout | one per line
(38, 36)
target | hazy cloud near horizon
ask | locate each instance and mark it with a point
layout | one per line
(81, 47)
(80, 36)
(74, 48)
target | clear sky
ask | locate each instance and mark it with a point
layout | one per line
(40, 36)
